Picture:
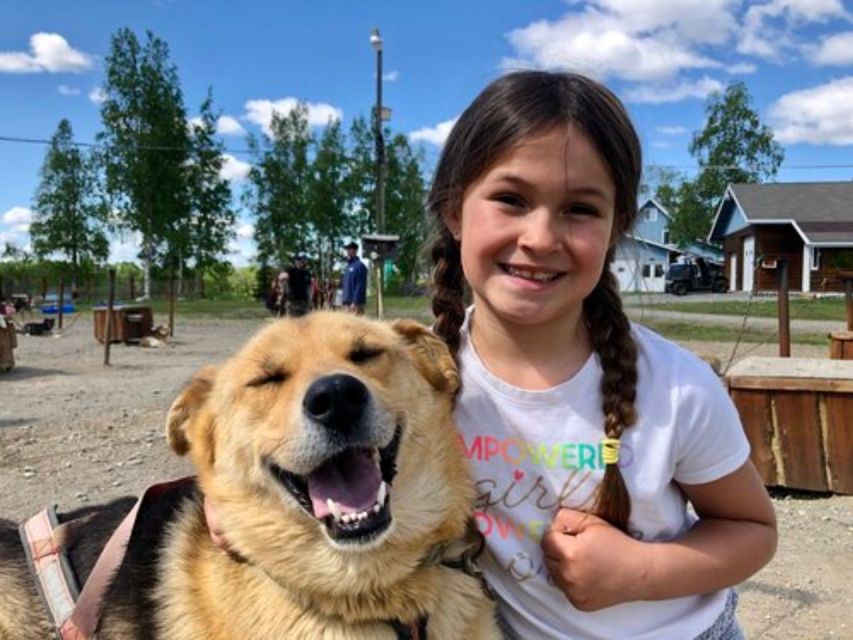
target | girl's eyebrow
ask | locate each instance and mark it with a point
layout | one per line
(585, 191)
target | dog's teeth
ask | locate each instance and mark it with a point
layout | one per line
(334, 508)
(346, 518)
(377, 508)
(381, 494)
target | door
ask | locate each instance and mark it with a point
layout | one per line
(733, 272)
(748, 262)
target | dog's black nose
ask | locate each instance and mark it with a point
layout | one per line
(336, 401)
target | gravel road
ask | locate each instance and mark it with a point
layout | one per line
(73, 431)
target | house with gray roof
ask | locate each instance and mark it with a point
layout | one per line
(807, 224)
(643, 255)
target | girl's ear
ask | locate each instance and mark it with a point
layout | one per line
(453, 222)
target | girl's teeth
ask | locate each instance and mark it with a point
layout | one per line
(532, 275)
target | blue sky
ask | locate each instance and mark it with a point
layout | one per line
(662, 57)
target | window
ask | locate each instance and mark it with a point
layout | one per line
(651, 214)
(658, 271)
(666, 237)
(647, 272)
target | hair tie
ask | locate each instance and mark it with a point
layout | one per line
(610, 450)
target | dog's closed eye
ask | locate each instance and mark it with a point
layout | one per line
(268, 378)
(364, 353)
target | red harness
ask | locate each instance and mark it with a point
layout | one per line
(75, 613)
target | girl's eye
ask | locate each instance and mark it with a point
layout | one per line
(509, 199)
(582, 210)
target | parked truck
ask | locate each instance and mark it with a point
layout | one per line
(695, 274)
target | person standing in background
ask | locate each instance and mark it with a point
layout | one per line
(354, 281)
(300, 284)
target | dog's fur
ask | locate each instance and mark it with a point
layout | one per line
(247, 425)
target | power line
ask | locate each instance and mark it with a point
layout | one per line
(95, 145)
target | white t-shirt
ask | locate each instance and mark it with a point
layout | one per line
(532, 450)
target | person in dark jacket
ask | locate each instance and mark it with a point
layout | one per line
(354, 281)
(300, 285)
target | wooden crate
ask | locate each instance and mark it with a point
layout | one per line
(841, 345)
(130, 323)
(798, 417)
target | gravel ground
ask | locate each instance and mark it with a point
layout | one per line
(74, 431)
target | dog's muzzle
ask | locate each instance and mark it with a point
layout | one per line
(349, 492)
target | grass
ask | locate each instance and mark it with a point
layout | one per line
(418, 308)
(686, 331)
(799, 308)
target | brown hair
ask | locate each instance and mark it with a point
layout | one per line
(508, 111)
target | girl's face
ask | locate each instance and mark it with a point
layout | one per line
(535, 229)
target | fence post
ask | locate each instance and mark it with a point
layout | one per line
(784, 318)
(61, 301)
(108, 328)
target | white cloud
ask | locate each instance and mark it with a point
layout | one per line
(647, 40)
(697, 21)
(260, 112)
(659, 94)
(192, 123)
(835, 50)
(21, 240)
(50, 52)
(125, 247)
(767, 28)
(819, 115)
(234, 170)
(97, 95)
(228, 126)
(65, 90)
(246, 231)
(18, 216)
(391, 76)
(671, 131)
(741, 68)
(434, 135)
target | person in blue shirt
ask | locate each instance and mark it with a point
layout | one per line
(354, 281)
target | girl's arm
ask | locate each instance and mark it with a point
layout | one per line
(597, 566)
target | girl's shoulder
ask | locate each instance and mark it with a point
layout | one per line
(668, 362)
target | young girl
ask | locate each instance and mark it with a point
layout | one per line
(588, 436)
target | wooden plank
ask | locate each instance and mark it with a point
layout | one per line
(838, 441)
(837, 385)
(754, 410)
(800, 440)
(817, 368)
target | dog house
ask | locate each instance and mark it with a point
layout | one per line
(130, 323)
(798, 417)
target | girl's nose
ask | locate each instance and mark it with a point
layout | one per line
(539, 233)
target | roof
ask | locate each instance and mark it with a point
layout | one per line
(822, 212)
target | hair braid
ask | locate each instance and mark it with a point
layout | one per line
(610, 333)
(448, 299)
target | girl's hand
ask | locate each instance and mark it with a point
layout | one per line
(593, 563)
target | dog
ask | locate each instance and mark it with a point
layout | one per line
(327, 447)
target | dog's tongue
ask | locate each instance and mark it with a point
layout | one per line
(350, 479)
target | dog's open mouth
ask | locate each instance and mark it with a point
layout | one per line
(348, 493)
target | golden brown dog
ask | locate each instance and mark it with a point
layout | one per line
(327, 446)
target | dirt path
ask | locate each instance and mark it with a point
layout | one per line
(73, 431)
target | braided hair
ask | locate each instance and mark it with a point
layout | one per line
(510, 110)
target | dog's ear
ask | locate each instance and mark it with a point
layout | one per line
(431, 355)
(184, 407)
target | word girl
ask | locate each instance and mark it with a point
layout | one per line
(535, 187)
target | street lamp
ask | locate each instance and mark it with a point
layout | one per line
(376, 42)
